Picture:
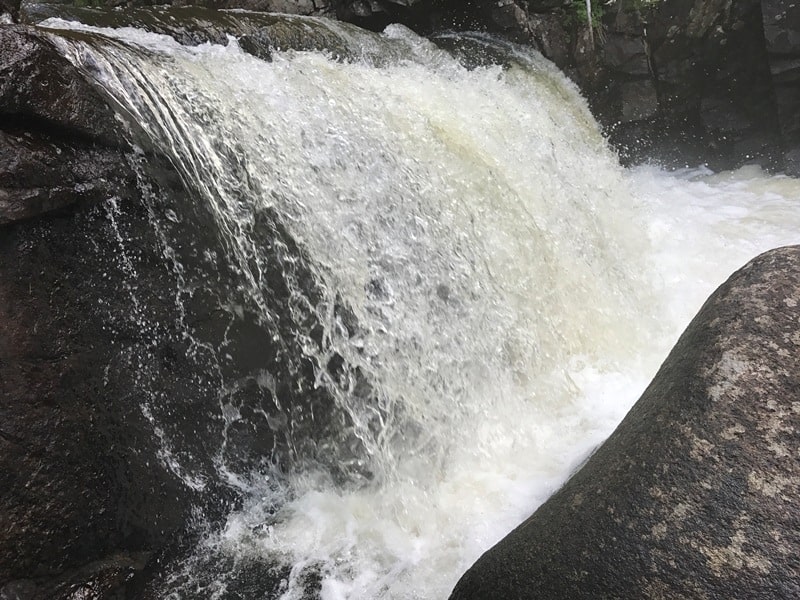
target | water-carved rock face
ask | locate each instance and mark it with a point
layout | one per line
(695, 493)
(130, 367)
(59, 141)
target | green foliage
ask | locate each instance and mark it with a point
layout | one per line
(579, 6)
(576, 15)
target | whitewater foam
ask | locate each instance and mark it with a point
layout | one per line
(514, 290)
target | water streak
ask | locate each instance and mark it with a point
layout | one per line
(485, 275)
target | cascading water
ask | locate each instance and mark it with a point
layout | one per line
(480, 289)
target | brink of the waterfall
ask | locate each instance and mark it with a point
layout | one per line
(292, 309)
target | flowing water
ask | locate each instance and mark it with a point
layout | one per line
(494, 289)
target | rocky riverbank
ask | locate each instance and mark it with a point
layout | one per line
(694, 494)
(105, 319)
(93, 334)
(672, 81)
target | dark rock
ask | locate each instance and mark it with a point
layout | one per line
(550, 37)
(135, 369)
(545, 6)
(626, 54)
(782, 38)
(295, 7)
(639, 100)
(59, 141)
(709, 67)
(627, 17)
(781, 26)
(507, 14)
(791, 159)
(784, 70)
(9, 9)
(659, 140)
(259, 44)
(98, 580)
(258, 33)
(695, 494)
(75, 484)
(39, 84)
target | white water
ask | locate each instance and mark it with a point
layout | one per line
(515, 289)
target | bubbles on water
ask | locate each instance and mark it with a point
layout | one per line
(461, 263)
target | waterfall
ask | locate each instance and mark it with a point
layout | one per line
(474, 280)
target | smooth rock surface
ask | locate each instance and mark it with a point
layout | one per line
(59, 141)
(135, 370)
(695, 495)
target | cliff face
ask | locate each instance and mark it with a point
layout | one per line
(680, 82)
(675, 80)
(98, 335)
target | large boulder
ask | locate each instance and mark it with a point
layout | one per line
(59, 140)
(695, 495)
(141, 384)
(79, 502)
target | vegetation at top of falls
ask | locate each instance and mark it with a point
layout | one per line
(577, 14)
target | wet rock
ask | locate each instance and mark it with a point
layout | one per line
(135, 371)
(709, 67)
(9, 11)
(626, 54)
(75, 485)
(782, 38)
(550, 37)
(259, 44)
(781, 27)
(101, 579)
(507, 14)
(136, 374)
(39, 84)
(639, 100)
(296, 7)
(695, 494)
(58, 138)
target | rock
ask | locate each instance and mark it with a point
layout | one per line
(58, 138)
(550, 37)
(131, 373)
(507, 14)
(791, 159)
(781, 27)
(639, 100)
(9, 11)
(295, 7)
(70, 492)
(39, 84)
(135, 369)
(695, 493)
(76, 485)
(709, 67)
(260, 44)
(100, 579)
(626, 54)
(782, 38)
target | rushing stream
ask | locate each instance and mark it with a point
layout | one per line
(491, 291)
